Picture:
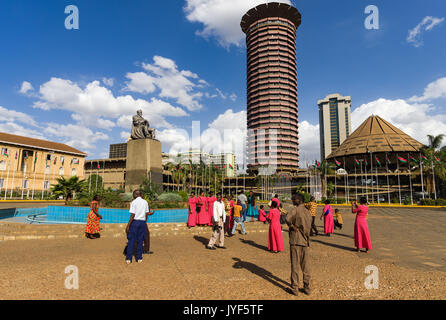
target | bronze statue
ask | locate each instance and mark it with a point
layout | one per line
(141, 128)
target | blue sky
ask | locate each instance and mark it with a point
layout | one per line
(184, 61)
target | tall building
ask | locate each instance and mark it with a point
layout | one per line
(272, 85)
(334, 122)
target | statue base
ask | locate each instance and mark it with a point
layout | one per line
(143, 160)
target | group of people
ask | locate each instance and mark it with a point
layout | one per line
(200, 209)
(224, 214)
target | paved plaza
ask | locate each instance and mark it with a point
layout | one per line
(409, 249)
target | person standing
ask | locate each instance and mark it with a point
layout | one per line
(137, 226)
(228, 212)
(242, 198)
(203, 216)
(210, 201)
(238, 219)
(192, 218)
(327, 213)
(276, 198)
(299, 223)
(361, 232)
(218, 221)
(312, 207)
(252, 211)
(275, 239)
(93, 228)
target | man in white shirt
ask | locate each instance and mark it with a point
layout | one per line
(218, 222)
(136, 228)
(242, 198)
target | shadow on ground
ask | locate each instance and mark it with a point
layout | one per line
(254, 244)
(259, 271)
(338, 246)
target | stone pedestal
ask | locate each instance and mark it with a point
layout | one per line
(143, 160)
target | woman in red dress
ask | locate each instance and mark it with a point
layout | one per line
(93, 229)
(192, 220)
(361, 231)
(275, 239)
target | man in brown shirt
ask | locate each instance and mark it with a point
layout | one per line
(299, 223)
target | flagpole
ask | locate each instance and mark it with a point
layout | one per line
(371, 175)
(97, 176)
(44, 175)
(387, 174)
(377, 182)
(410, 179)
(422, 182)
(13, 176)
(366, 187)
(433, 180)
(89, 180)
(399, 184)
(103, 176)
(7, 180)
(356, 184)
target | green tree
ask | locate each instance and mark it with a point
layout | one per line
(150, 189)
(68, 187)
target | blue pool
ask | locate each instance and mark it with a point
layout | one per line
(78, 215)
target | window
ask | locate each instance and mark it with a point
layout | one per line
(3, 165)
(25, 184)
(61, 171)
(46, 185)
(73, 171)
(47, 169)
(2, 182)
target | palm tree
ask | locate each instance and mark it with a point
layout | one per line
(68, 187)
(325, 169)
(431, 152)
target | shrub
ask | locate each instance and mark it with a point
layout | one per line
(427, 202)
(170, 197)
(126, 196)
(440, 202)
(184, 195)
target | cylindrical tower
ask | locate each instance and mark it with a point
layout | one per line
(272, 84)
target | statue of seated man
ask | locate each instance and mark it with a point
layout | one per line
(141, 128)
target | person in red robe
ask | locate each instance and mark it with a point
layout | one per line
(192, 219)
(275, 239)
(361, 231)
(210, 201)
(327, 213)
(262, 214)
(202, 215)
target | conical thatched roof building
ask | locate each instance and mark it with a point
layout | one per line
(376, 135)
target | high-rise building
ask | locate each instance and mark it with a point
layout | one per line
(272, 85)
(334, 122)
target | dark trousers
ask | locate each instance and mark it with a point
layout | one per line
(337, 224)
(244, 212)
(137, 232)
(313, 229)
(146, 246)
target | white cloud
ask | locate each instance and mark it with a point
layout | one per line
(227, 133)
(427, 24)
(221, 18)
(140, 82)
(26, 87)
(309, 145)
(96, 101)
(434, 90)
(233, 97)
(163, 74)
(223, 96)
(7, 115)
(108, 81)
(14, 128)
(76, 136)
(125, 135)
(416, 120)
